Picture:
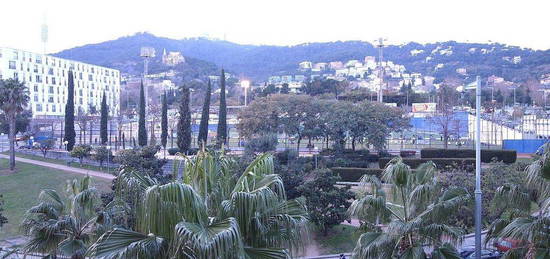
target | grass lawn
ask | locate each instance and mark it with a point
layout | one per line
(61, 162)
(340, 239)
(21, 189)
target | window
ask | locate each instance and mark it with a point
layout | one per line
(12, 64)
(38, 107)
(53, 80)
(38, 60)
(38, 79)
(80, 100)
(50, 99)
(53, 107)
(15, 75)
(50, 71)
(36, 88)
(80, 92)
(90, 77)
(36, 98)
(50, 90)
(80, 76)
(15, 55)
(36, 68)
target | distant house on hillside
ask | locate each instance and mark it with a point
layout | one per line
(172, 58)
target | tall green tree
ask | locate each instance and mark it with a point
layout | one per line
(203, 127)
(525, 211)
(104, 119)
(14, 97)
(70, 133)
(142, 132)
(164, 122)
(56, 226)
(184, 122)
(416, 215)
(222, 117)
(209, 213)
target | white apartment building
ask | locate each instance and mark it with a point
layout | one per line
(47, 77)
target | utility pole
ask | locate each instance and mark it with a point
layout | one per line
(477, 191)
(380, 69)
(146, 53)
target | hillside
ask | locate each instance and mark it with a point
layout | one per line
(261, 61)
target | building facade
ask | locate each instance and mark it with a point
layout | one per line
(47, 77)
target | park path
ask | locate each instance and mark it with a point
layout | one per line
(63, 167)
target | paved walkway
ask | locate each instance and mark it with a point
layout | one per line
(63, 167)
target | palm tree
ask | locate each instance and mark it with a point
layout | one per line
(207, 213)
(14, 97)
(518, 222)
(414, 218)
(58, 227)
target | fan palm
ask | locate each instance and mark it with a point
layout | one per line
(415, 217)
(14, 97)
(58, 227)
(208, 213)
(517, 221)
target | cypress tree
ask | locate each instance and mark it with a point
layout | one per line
(142, 132)
(203, 127)
(103, 120)
(222, 117)
(184, 122)
(69, 114)
(164, 122)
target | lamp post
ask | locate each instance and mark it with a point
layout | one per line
(477, 191)
(245, 84)
(2, 143)
(65, 143)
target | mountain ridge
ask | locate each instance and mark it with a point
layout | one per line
(261, 61)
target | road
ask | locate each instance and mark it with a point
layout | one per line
(63, 167)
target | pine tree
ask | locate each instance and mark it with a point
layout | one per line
(103, 121)
(203, 127)
(69, 114)
(142, 132)
(164, 122)
(184, 122)
(222, 117)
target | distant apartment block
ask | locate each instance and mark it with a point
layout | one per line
(46, 78)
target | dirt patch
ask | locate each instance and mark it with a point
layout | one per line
(7, 171)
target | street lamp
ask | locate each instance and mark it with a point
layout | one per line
(245, 84)
(66, 143)
(2, 143)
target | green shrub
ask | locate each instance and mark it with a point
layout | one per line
(407, 153)
(286, 156)
(342, 162)
(261, 144)
(172, 151)
(351, 174)
(487, 155)
(439, 162)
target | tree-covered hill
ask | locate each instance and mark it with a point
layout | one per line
(261, 61)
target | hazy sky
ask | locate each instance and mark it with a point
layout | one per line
(281, 22)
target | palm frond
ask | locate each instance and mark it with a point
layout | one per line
(122, 243)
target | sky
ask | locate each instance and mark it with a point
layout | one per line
(74, 23)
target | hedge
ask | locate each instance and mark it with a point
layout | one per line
(487, 155)
(439, 162)
(172, 151)
(342, 162)
(352, 174)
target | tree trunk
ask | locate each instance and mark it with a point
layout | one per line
(91, 131)
(298, 145)
(353, 143)
(11, 136)
(445, 141)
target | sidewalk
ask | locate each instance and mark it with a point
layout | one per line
(63, 167)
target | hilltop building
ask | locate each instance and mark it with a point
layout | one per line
(47, 77)
(172, 58)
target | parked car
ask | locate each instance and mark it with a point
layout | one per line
(506, 244)
(485, 254)
(469, 253)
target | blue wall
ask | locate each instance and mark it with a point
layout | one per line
(524, 145)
